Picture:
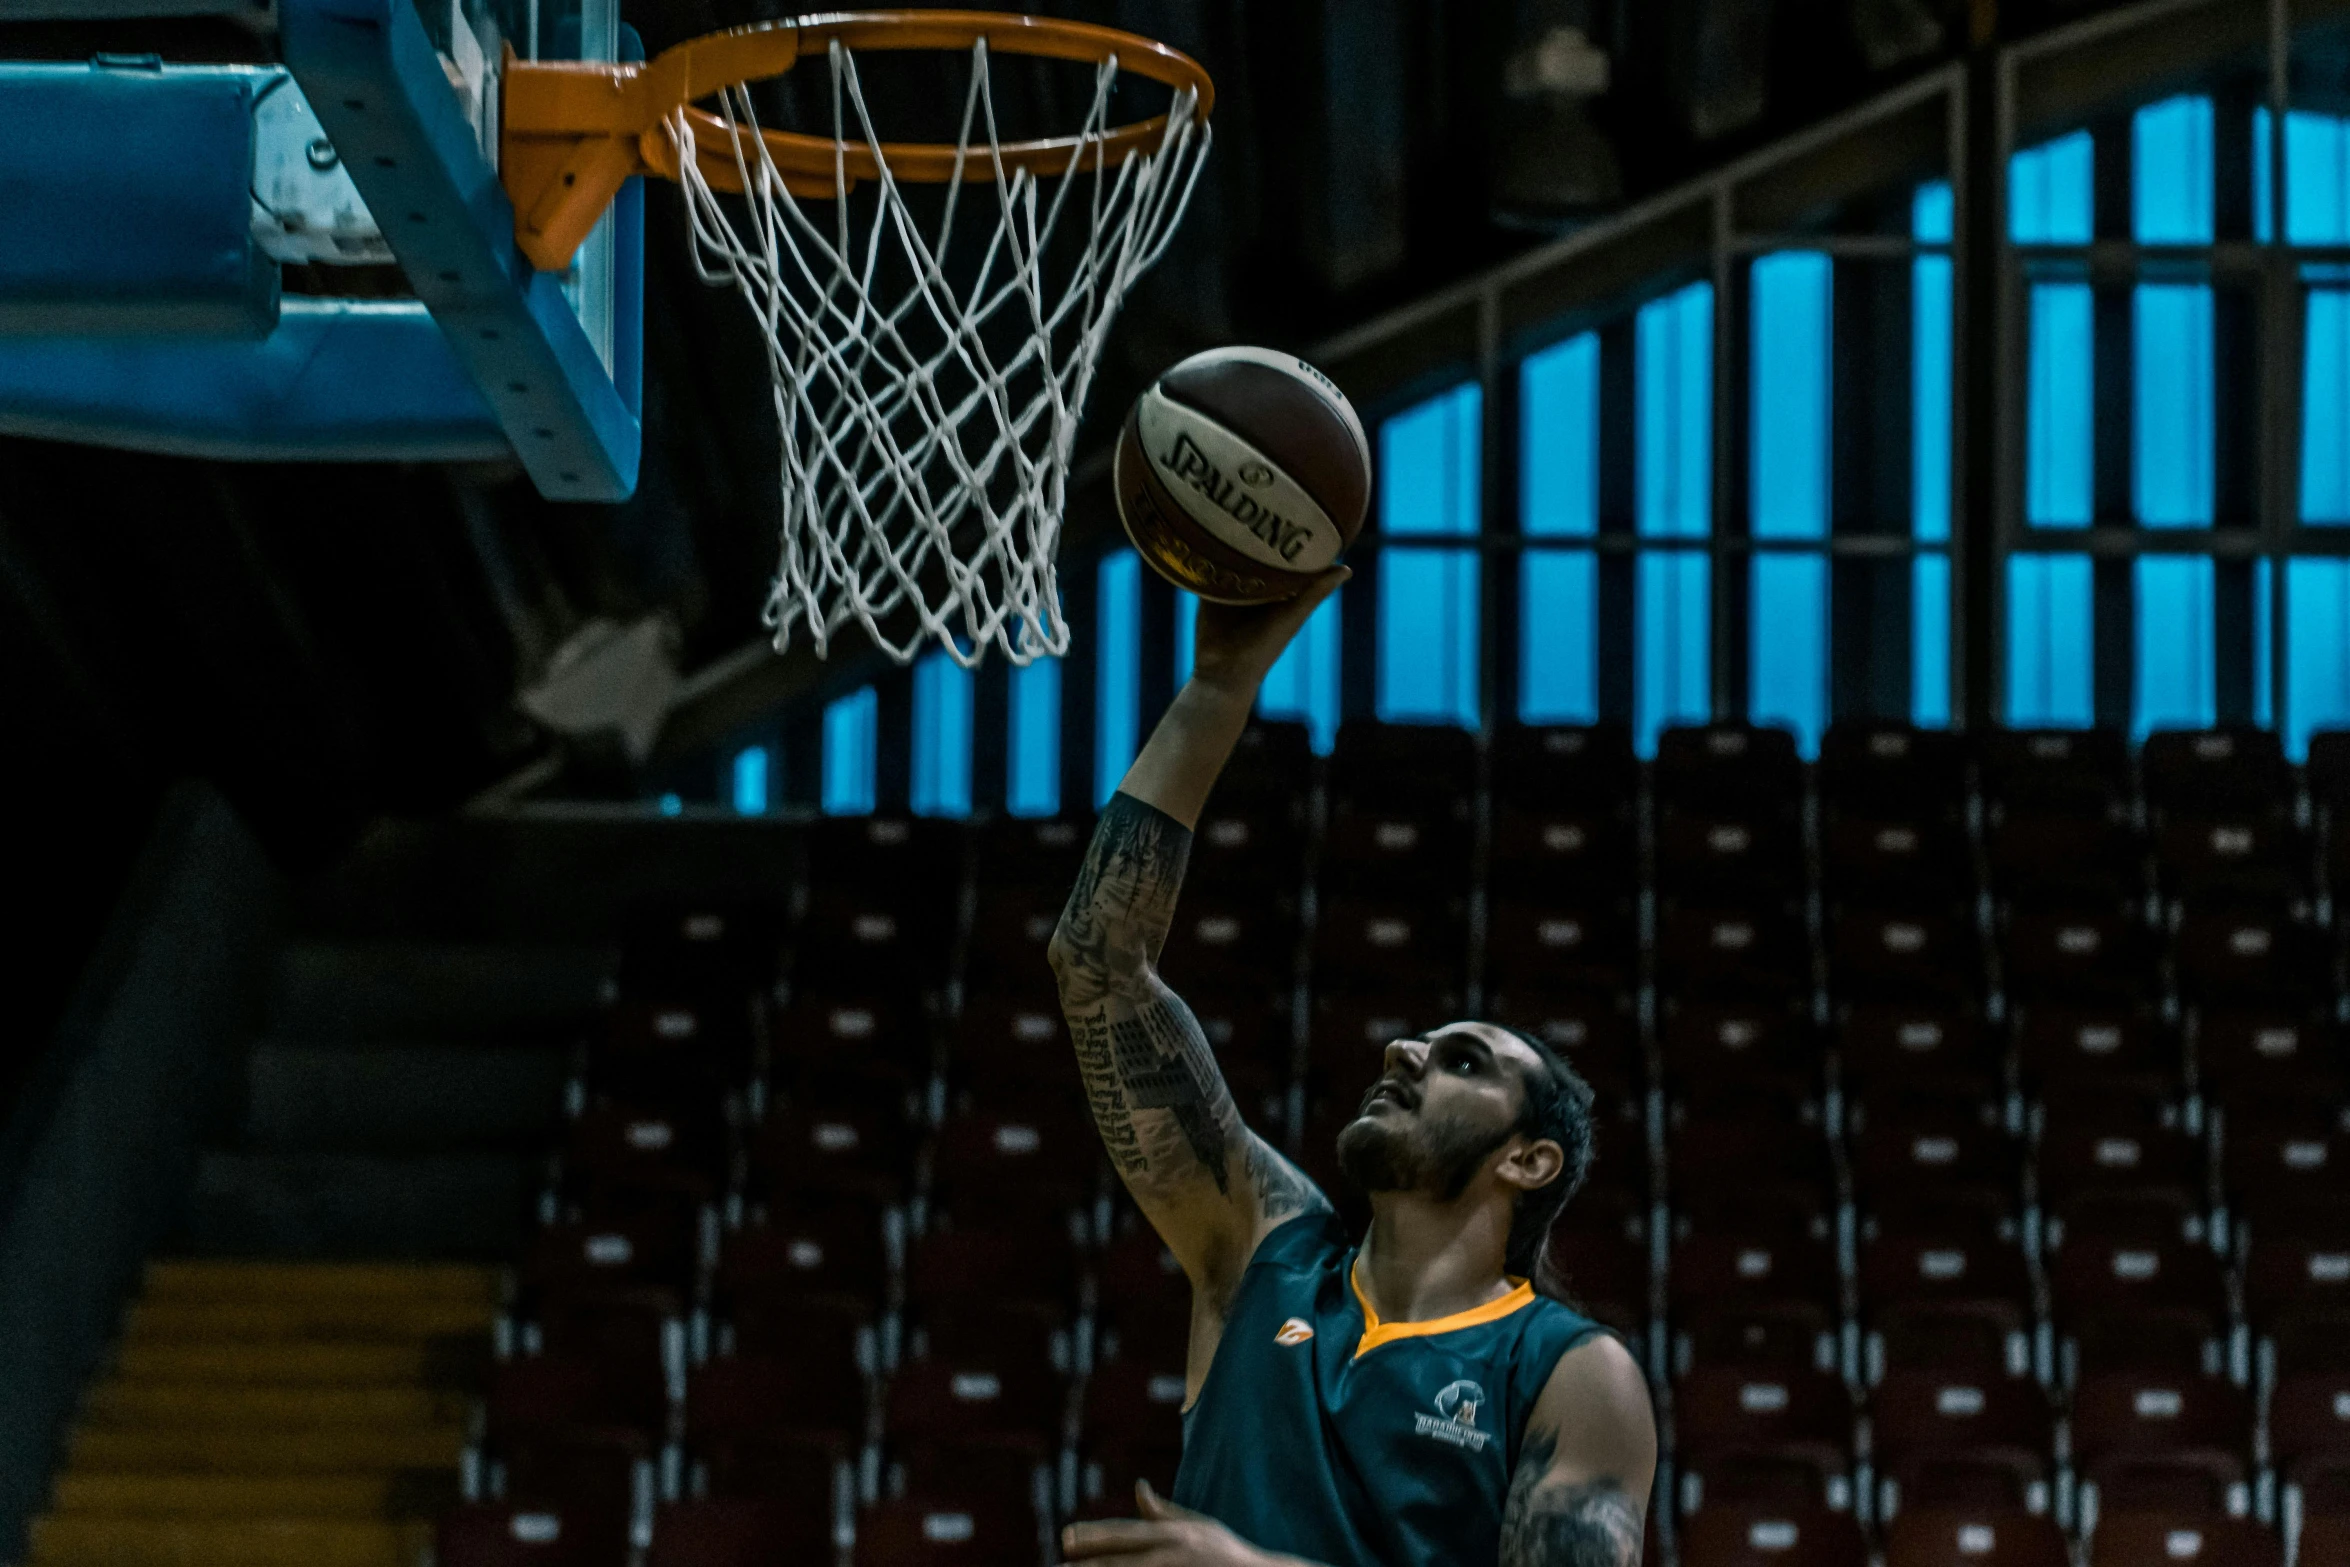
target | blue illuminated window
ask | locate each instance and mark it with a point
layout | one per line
(2172, 414)
(1186, 623)
(2051, 675)
(1117, 703)
(749, 779)
(1558, 590)
(941, 781)
(1673, 496)
(1787, 645)
(2317, 649)
(1032, 765)
(851, 727)
(1428, 478)
(1302, 685)
(1930, 370)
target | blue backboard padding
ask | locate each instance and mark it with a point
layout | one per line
(338, 381)
(125, 203)
(379, 91)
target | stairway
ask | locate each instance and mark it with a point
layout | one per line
(274, 1415)
(293, 1386)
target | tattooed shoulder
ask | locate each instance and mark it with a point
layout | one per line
(1555, 1522)
(1282, 1189)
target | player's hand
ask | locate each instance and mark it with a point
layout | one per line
(1164, 1536)
(1233, 645)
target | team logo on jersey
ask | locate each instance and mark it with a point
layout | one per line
(1295, 1331)
(1455, 1420)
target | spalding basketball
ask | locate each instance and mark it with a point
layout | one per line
(1241, 475)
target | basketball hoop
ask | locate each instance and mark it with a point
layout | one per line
(926, 424)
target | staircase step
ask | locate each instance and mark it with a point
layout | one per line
(329, 1206)
(395, 990)
(76, 1540)
(302, 1363)
(270, 1281)
(360, 1318)
(304, 1093)
(243, 1450)
(353, 1496)
(125, 1403)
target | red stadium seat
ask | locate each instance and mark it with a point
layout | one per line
(1420, 849)
(1709, 1146)
(1038, 852)
(615, 1155)
(2309, 1421)
(1229, 939)
(805, 1477)
(1766, 1040)
(1025, 1262)
(1597, 1032)
(1602, 1261)
(1380, 764)
(2233, 768)
(2109, 1046)
(2081, 1165)
(1584, 944)
(1945, 1268)
(1781, 1438)
(1728, 856)
(712, 1531)
(656, 1249)
(863, 1151)
(1582, 768)
(597, 1478)
(1747, 1536)
(839, 1039)
(703, 946)
(2077, 954)
(1034, 1155)
(879, 929)
(920, 856)
(2297, 1276)
(2329, 767)
(1974, 1537)
(1904, 861)
(2257, 856)
(1738, 766)
(1877, 955)
(1882, 1044)
(1560, 851)
(956, 1531)
(1975, 1338)
(2151, 1442)
(975, 1397)
(520, 1534)
(1724, 951)
(1920, 1143)
(1880, 764)
(1243, 848)
(2043, 860)
(734, 1398)
(2195, 1539)
(2095, 1274)
(1961, 1442)
(1133, 1429)
(1760, 1338)
(535, 1394)
(2285, 1174)
(681, 1052)
(2244, 1055)
(1006, 1038)
(2264, 954)
(1391, 944)
(1012, 933)
(2069, 769)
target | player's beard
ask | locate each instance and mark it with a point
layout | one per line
(1436, 1157)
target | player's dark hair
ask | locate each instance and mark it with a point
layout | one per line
(1557, 1106)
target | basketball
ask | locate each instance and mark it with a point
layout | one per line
(1241, 474)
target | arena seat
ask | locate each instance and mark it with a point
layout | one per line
(1420, 850)
(2083, 771)
(1724, 856)
(685, 947)
(1939, 1049)
(2248, 1053)
(1408, 765)
(1581, 768)
(1037, 852)
(1391, 944)
(2148, 1442)
(921, 859)
(1767, 1040)
(1940, 1441)
(2044, 859)
(1908, 861)
(1878, 766)
(1782, 1438)
(734, 1403)
(2236, 767)
(1974, 1537)
(522, 1534)
(862, 1151)
(808, 1245)
(2258, 856)
(2112, 1045)
(845, 1045)
(1904, 956)
(729, 1531)
(1011, 934)
(1748, 1536)
(1243, 847)
(1569, 942)
(1563, 850)
(1721, 950)
(1727, 765)
(962, 1530)
(2131, 1539)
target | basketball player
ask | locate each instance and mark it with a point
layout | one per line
(1401, 1398)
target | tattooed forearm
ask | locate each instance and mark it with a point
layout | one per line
(1160, 1102)
(1549, 1521)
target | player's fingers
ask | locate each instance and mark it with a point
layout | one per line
(1153, 1505)
(1111, 1537)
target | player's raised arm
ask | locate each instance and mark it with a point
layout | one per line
(1585, 1466)
(1210, 1186)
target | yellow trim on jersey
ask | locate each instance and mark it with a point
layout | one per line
(1376, 1333)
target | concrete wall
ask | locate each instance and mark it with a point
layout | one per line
(96, 1159)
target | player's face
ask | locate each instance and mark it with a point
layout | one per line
(1442, 1106)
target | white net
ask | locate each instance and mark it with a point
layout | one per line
(928, 401)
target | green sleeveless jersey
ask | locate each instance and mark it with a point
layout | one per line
(1326, 1433)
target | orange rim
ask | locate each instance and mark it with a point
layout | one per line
(760, 51)
(574, 132)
